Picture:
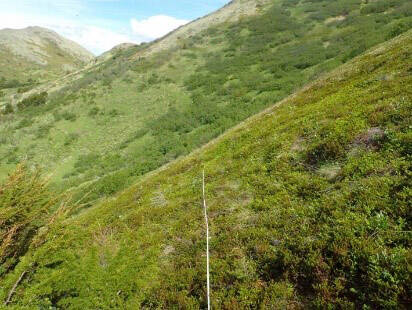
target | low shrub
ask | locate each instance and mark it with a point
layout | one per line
(8, 109)
(69, 116)
(71, 138)
(33, 100)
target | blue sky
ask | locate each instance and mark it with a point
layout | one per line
(99, 25)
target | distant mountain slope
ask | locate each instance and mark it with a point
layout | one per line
(38, 53)
(232, 12)
(115, 50)
(309, 206)
(143, 106)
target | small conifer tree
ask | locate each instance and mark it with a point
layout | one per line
(25, 206)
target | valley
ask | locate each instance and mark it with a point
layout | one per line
(125, 116)
(298, 111)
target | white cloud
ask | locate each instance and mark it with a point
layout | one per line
(93, 35)
(14, 21)
(93, 38)
(156, 26)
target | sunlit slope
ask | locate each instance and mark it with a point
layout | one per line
(120, 118)
(38, 54)
(233, 12)
(309, 206)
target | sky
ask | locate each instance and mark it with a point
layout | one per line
(99, 25)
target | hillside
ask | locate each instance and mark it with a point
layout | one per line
(114, 51)
(112, 122)
(234, 11)
(36, 54)
(309, 205)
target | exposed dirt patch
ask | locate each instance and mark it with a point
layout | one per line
(371, 139)
(298, 145)
(159, 199)
(330, 172)
(335, 19)
(168, 250)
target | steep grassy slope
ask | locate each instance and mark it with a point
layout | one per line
(150, 104)
(309, 206)
(36, 53)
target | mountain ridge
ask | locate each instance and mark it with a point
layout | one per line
(231, 12)
(37, 50)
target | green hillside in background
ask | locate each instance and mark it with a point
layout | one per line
(33, 55)
(100, 129)
(309, 205)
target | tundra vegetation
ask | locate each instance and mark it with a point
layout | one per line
(309, 200)
(133, 112)
(309, 205)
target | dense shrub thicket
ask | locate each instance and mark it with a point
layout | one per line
(13, 83)
(8, 83)
(33, 100)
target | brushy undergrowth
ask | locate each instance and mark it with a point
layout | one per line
(132, 114)
(309, 206)
(26, 206)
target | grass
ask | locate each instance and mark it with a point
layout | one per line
(134, 114)
(285, 231)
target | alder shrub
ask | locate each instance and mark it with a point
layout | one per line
(33, 100)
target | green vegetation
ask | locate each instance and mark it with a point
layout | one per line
(134, 112)
(34, 100)
(26, 205)
(309, 206)
(9, 83)
(309, 201)
(8, 109)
